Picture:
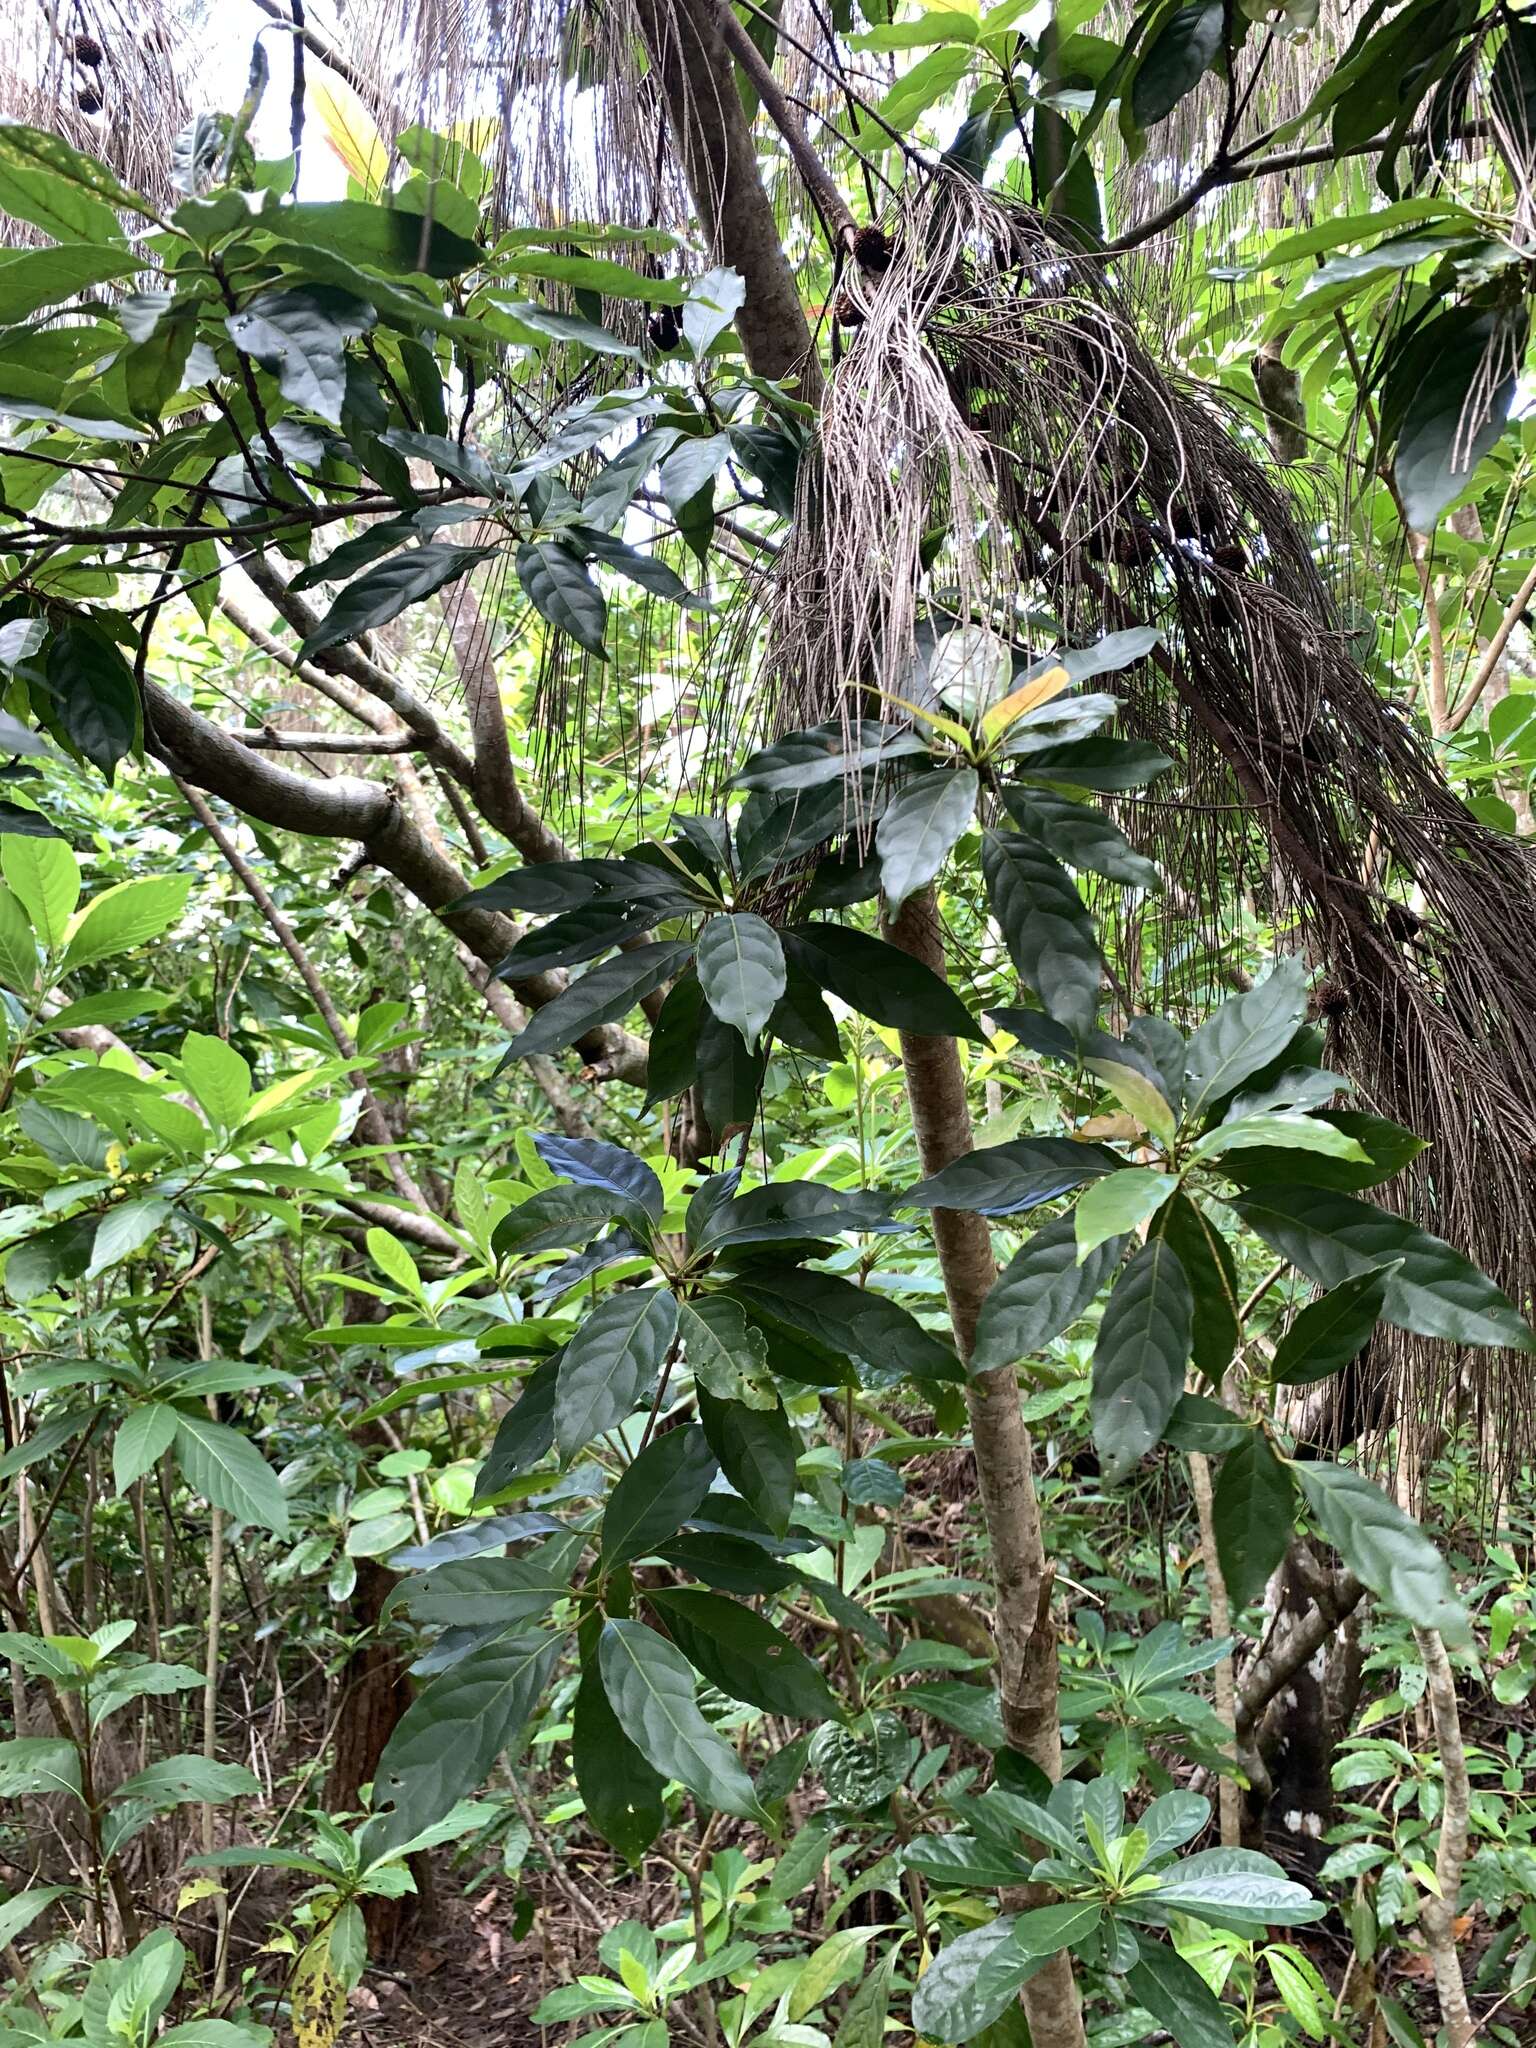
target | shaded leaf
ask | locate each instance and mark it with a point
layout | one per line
(1140, 1359)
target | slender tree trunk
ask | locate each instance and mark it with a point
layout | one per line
(1229, 1792)
(1022, 1577)
(1437, 1916)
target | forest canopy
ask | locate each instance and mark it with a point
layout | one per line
(767, 891)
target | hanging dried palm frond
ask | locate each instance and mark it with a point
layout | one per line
(110, 76)
(998, 439)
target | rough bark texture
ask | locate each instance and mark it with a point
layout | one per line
(1026, 1641)
(1437, 1916)
(714, 140)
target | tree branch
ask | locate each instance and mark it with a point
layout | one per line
(345, 807)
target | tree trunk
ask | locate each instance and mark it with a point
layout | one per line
(1026, 1640)
(375, 1692)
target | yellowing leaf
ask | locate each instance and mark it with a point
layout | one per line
(196, 1889)
(319, 1996)
(1117, 1126)
(1027, 697)
(351, 133)
(950, 727)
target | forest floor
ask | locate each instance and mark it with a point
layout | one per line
(468, 1976)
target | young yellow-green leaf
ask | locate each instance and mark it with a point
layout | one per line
(1119, 1204)
(394, 1262)
(128, 915)
(827, 1966)
(33, 278)
(45, 877)
(18, 948)
(218, 1077)
(1027, 697)
(1134, 1092)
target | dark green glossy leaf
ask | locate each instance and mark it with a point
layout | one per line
(620, 1790)
(741, 970)
(1175, 60)
(790, 1212)
(1047, 926)
(1326, 1335)
(384, 592)
(1041, 1293)
(613, 1358)
(1385, 1550)
(1433, 1290)
(1243, 1036)
(1178, 1998)
(1079, 836)
(452, 1733)
(1201, 1424)
(918, 829)
(602, 996)
(1211, 1271)
(657, 1494)
(743, 1655)
(651, 1690)
(593, 1162)
(573, 937)
(1141, 1357)
(1389, 1146)
(94, 694)
(1433, 403)
(674, 1061)
(1252, 1511)
(730, 1077)
(557, 582)
(757, 1448)
(1004, 1180)
(801, 1018)
(879, 981)
(856, 1320)
(1111, 765)
(299, 335)
(825, 753)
